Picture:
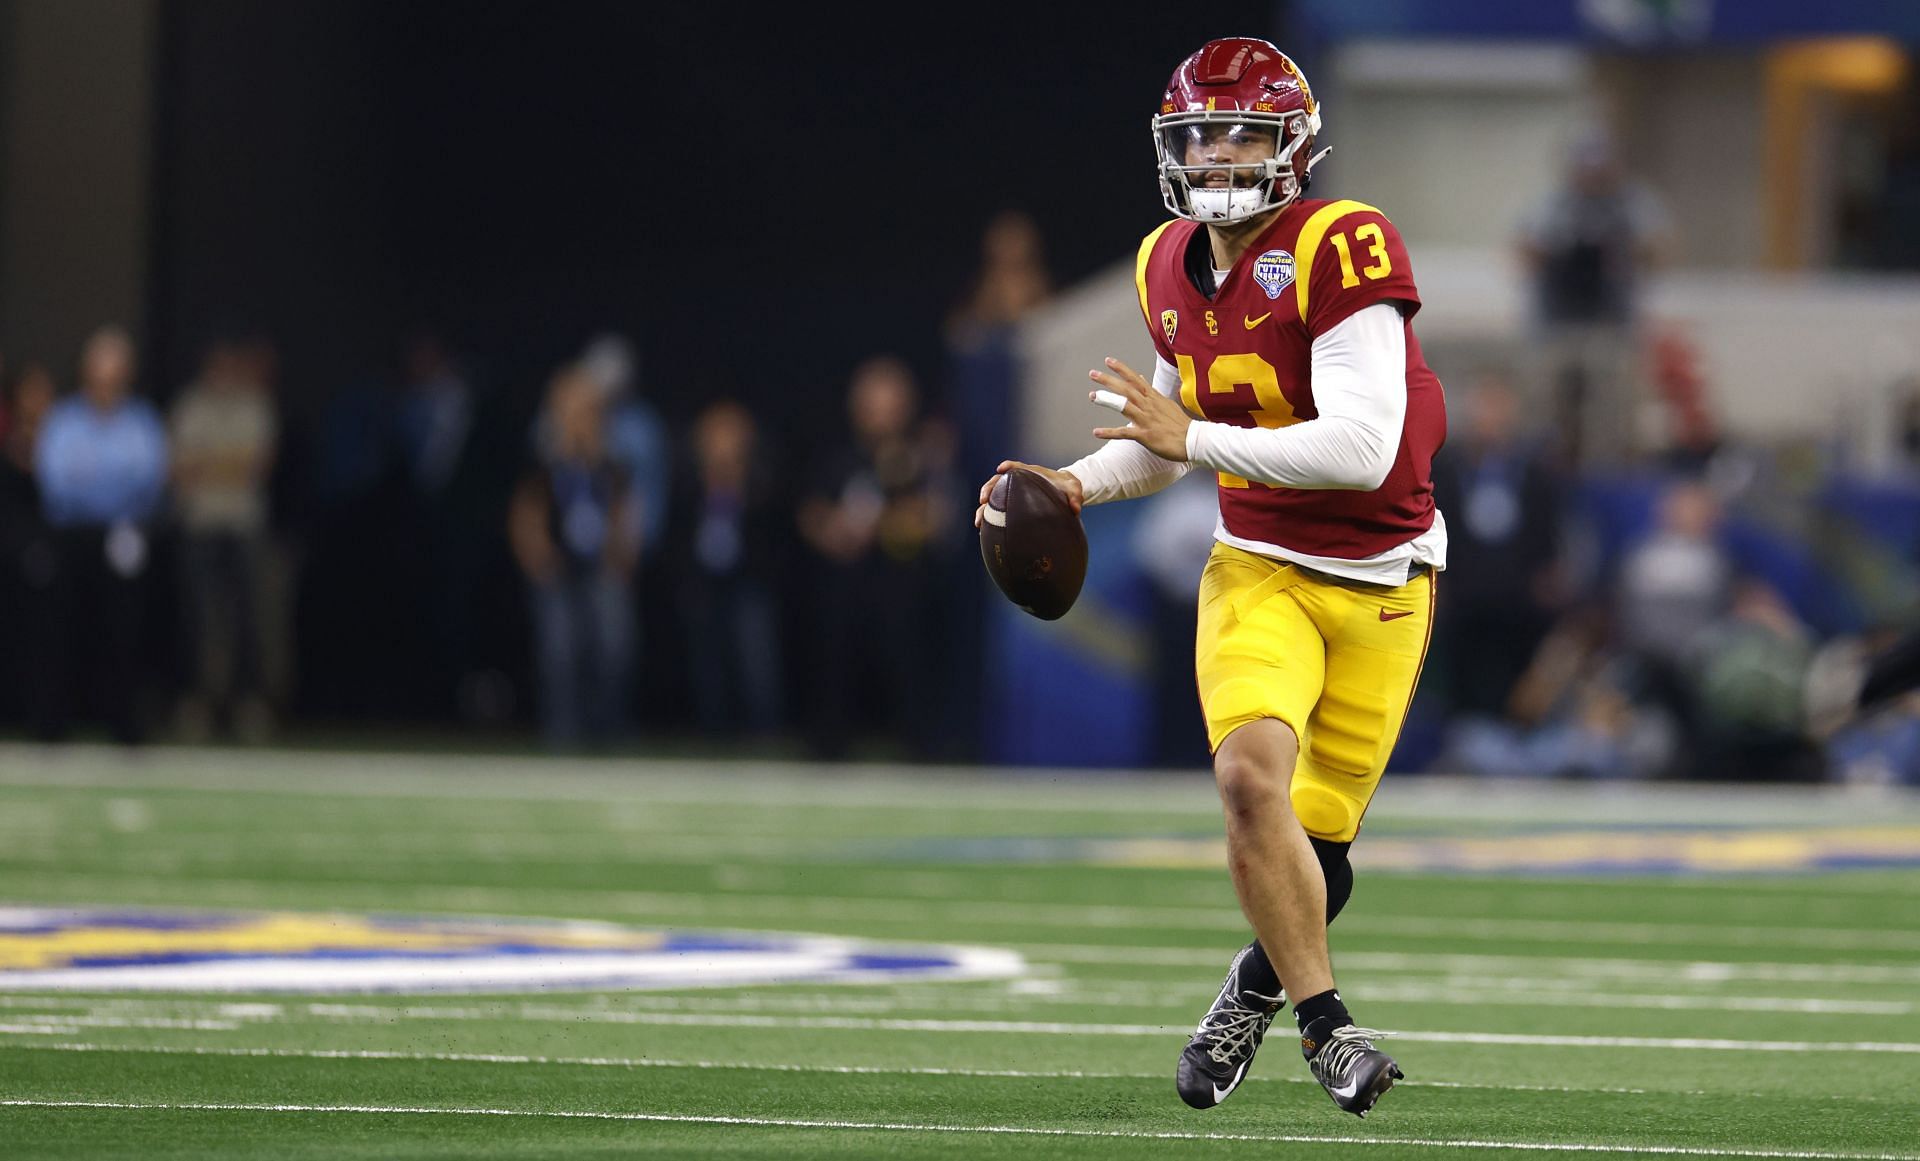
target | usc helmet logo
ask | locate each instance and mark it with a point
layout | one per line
(1293, 70)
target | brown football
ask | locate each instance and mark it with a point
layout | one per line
(1033, 543)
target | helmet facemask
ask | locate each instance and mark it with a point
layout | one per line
(1257, 182)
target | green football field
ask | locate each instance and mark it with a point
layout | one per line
(1566, 971)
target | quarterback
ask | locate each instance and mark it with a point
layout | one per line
(1285, 363)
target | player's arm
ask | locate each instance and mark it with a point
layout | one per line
(1128, 470)
(1360, 392)
(1119, 470)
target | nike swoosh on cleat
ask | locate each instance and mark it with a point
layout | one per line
(1251, 323)
(1220, 1094)
(1386, 616)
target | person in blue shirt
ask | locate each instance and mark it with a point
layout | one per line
(576, 538)
(101, 464)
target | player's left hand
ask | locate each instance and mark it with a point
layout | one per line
(1159, 423)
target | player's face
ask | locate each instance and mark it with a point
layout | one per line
(1245, 146)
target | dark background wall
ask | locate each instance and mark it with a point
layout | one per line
(759, 202)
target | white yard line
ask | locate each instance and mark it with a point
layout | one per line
(833, 1069)
(718, 907)
(1050, 1028)
(1596, 967)
(837, 1069)
(1008, 1130)
(66, 1020)
(1519, 993)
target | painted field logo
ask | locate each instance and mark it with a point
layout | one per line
(125, 949)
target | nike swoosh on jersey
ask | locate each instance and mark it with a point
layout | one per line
(1251, 323)
(1386, 616)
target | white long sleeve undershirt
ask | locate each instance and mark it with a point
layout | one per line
(1359, 372)
(1359, 389)
(1124, 470)
(1360, 392)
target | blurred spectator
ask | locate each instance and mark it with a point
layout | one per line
(1860, 701)
(636, 438)
(1170, 545)
(1881, 749)
(436, 414)
(730, 571)
(1505, 579)
(1724, 654)
(1693, 438)
(225, 433)
(102, 467)
(1678, 581)
(636, 443)
(871, 518)
(1749, 676)
(1586, 246)
(576, 540)
(982, 380)
(26, 539)
(461, 463)
(1674, 585)
(1573, 714)
(1012, 282)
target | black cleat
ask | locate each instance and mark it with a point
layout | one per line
(1216, 1060)
(1350, 1068)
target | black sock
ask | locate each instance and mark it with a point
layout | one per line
(1317, 1016)
(1338, 872)
(1256, 972)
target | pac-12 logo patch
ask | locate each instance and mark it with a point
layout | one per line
(1273, 271)
(1170, 322)
(129, 949)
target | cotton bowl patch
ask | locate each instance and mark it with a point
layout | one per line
(125, 949)
(1273, 271)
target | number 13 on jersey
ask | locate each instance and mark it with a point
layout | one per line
(1225, 375)
(1377, 250)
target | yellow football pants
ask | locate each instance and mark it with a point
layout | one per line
(1337, 661)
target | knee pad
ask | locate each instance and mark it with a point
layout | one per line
(1338, 872)
(1323, 812)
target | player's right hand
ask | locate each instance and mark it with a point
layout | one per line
(1067, 482)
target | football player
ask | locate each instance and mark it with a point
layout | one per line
(1286, 363)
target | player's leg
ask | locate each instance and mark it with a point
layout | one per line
(1258, 664)
(1376, 642)
(1276, 873)
(1253, 964)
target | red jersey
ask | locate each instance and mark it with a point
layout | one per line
(1245, 358)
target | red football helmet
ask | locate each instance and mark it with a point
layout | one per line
(1242, 90)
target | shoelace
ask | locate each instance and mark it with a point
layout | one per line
(1234, 1031)
(1343, 1049)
